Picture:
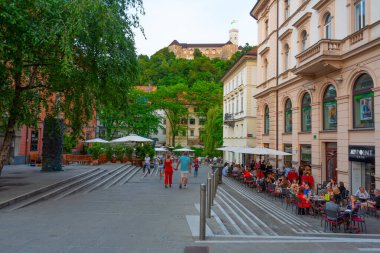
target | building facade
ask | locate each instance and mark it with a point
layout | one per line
(239, 106)
(318, 93)
(192, 127)
(221, 50)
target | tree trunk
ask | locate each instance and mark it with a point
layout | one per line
(52, 144)
(173, 139)
(5, 147)
(11, 124)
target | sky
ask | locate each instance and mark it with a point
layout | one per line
(194, 21)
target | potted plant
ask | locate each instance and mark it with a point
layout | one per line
(109, 153)
(119, 152)
(95, 150)
(128, 151)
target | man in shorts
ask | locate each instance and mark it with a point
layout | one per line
(185, 163)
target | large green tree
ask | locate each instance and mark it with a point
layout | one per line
(80, 53)
(172, 100)
(136, 115)
(213, 130)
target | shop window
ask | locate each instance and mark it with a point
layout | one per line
(305, 154)
(363, 102)
(288, 116)
(34, 140)
(266, 120)
(306, 113)
(328, 33)
(330, 116)
(359, 15)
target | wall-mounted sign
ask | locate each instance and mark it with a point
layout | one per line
(361, 153)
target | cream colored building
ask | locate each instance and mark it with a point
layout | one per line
(239, 106)
(318, 92)
(216, 50)
(192, 126)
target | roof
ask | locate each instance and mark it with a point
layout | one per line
(190, 45)
(148, 88)
(254, 7)
(249, 54)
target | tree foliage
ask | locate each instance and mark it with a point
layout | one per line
(171, 99)
(213, 130)
(65, 57)
(135, 115)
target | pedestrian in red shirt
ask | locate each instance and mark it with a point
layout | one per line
(168, 172)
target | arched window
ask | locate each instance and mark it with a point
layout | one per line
(286, 57)
(306, 113)
(304, 38)
(266, 120)
(328, 33)
(363, 102)
(330, 116)
(288, 116)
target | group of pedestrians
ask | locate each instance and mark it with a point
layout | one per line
(184, 166)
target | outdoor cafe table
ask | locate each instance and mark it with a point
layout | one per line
(316, 203)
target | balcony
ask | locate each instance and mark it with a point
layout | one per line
(320, 59)
(229, 119)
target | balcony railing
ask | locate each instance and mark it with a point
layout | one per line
(229, 119)
(322, 48)
(319, 59)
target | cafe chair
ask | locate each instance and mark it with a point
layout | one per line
(360, 222)
(332, 220)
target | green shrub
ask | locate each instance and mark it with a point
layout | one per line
(109, 151)
(119, 151)
(95, 150)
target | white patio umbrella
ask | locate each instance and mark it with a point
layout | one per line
(230, 149)
(96, 140)
(260, 151)
(160, 149)
(132, 138)
(184, 150)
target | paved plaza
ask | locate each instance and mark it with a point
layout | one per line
(140, 215)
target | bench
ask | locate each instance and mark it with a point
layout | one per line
(80, 159)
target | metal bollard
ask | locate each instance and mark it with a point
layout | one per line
(202, 214)
(209, 197)
(215, 183)
(212, 189)
(216, 180)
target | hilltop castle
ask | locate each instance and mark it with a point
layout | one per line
(222, 50)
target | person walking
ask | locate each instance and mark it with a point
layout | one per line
(168, 172)
(196, 166)
(185, 163)
(146, 164)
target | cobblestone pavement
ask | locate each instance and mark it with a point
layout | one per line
(142, 216)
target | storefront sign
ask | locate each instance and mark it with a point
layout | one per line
(361, 153)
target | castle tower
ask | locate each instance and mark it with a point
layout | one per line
(234, 36)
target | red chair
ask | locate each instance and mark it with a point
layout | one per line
(332, 220)
(360, 221)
